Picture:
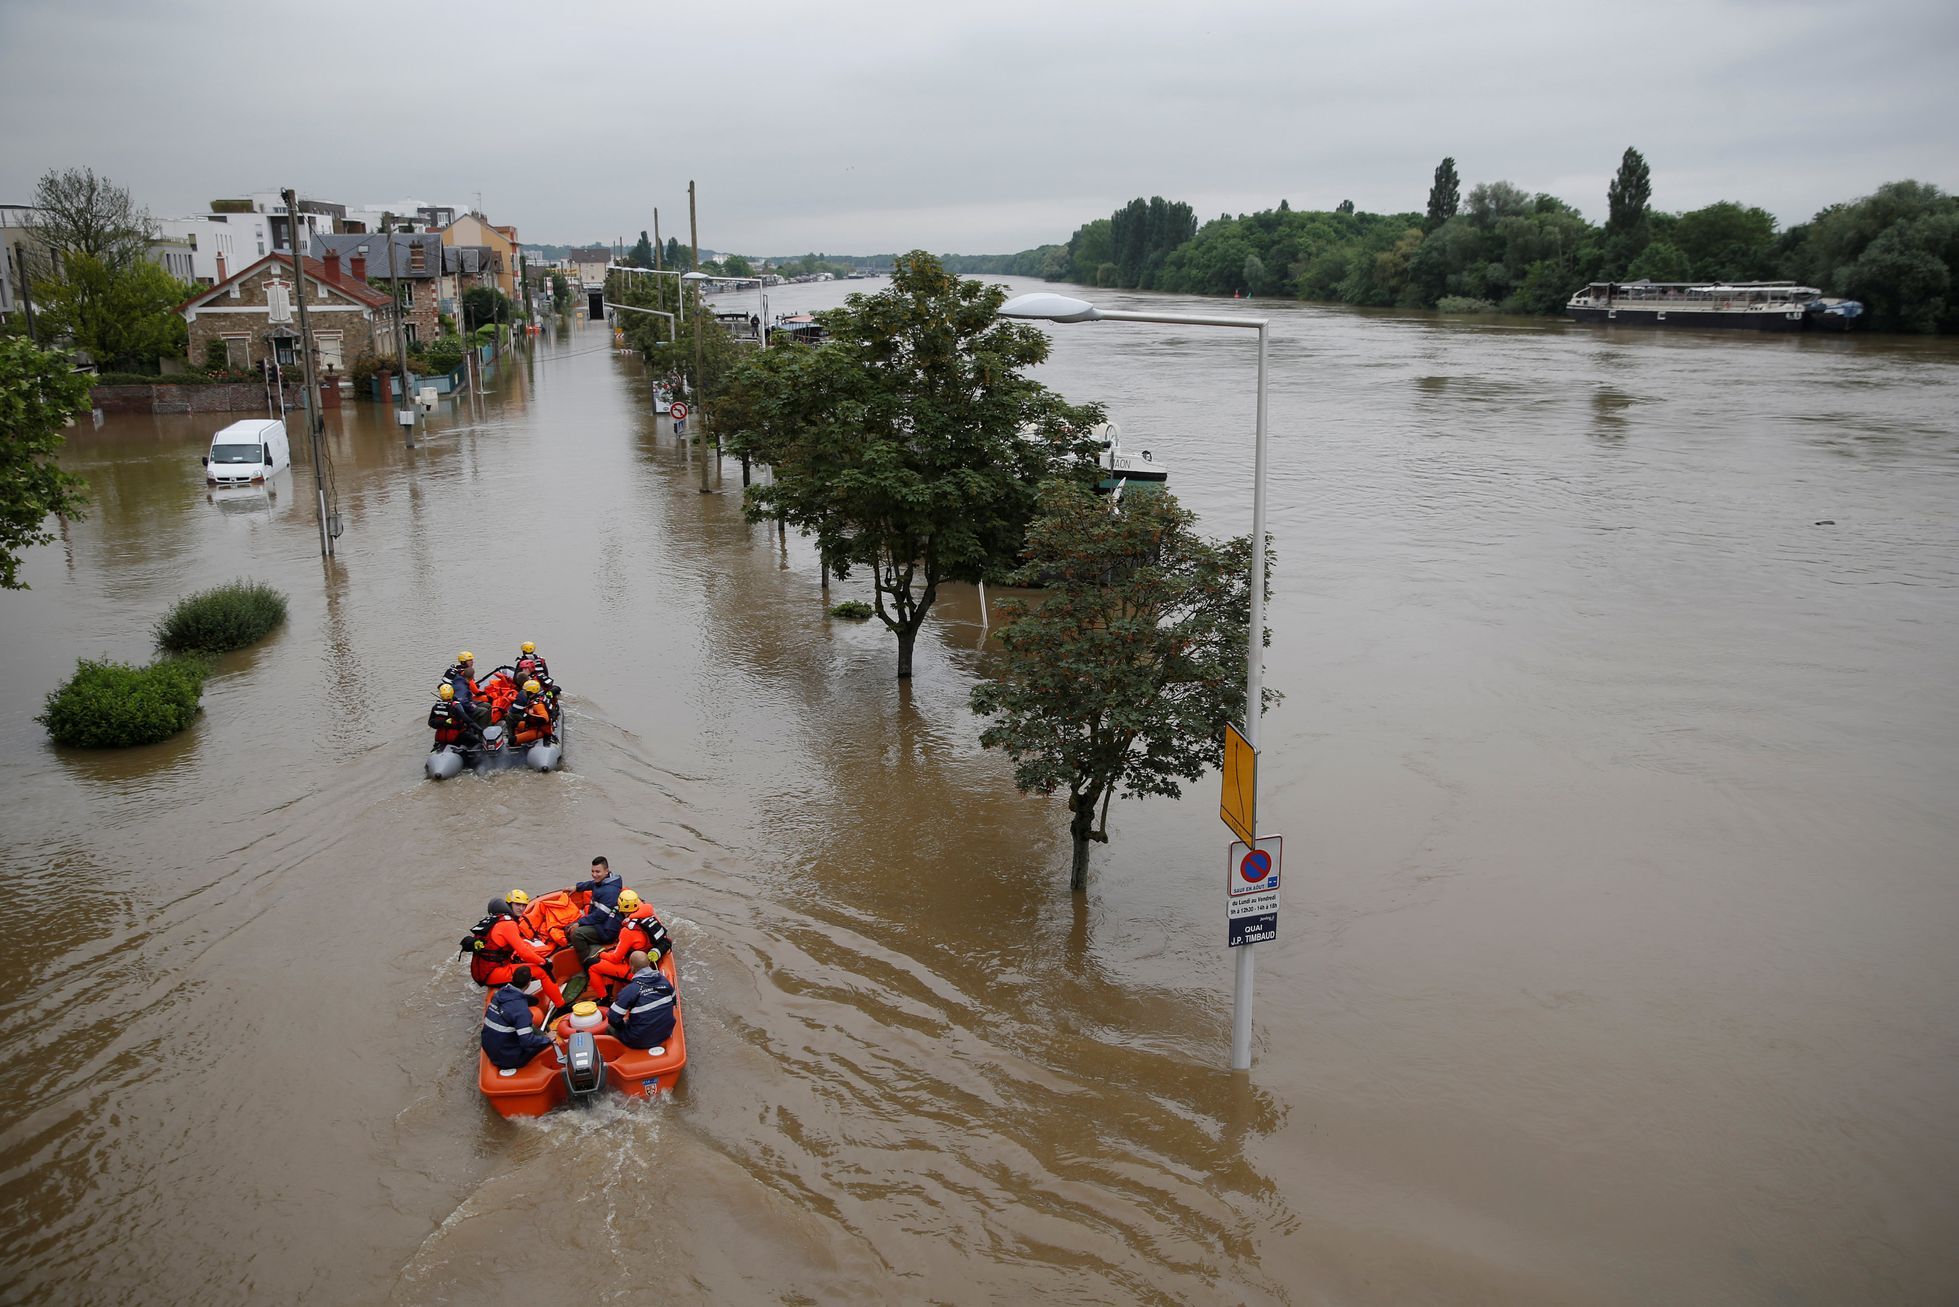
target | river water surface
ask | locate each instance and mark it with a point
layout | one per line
(1617, 962)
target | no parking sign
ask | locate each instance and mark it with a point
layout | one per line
(1251, 891)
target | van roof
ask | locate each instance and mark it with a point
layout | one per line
(250, 429)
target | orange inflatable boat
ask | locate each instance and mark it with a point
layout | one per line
(595, 1062)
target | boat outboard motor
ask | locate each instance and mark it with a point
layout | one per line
(444, 763)
(584, 1068)
(493, 740)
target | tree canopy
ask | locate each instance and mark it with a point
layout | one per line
(123, 313)
(912, 442)
(1443, 195)
(80, 213)
(1628, 195)
(40, 391)
(1124, 673)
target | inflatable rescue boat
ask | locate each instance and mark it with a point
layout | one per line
(594, 1062)
(509, 739)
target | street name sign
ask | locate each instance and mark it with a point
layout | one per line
(1251, 891)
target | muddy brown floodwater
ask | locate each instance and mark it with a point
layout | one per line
(1618, 961)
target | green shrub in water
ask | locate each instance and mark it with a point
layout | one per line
(1463, 304)
(111, 705)
(221, 619)
(854, 609)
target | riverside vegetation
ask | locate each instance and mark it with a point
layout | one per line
(1503, 249)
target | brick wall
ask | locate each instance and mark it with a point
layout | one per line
(228, 397)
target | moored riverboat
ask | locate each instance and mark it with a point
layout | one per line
(1121, 467)
(1744, 306)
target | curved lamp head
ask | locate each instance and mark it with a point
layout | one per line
(1046, 306)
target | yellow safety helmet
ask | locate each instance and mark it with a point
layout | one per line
(465, 657)
(517, 899)
(532, 687)
(445, 691)
(528, 647)
(628, 900)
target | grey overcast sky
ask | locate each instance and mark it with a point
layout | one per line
(972, 128)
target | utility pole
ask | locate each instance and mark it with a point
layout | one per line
(26, 294)
(306, 364)
(401, 347)
(700, 382)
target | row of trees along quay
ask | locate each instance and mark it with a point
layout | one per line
(912, 446)
(1500, 248)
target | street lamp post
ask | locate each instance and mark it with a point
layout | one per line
(761, 287)
(1045, 306)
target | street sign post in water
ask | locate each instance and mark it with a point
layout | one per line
(1251, 891)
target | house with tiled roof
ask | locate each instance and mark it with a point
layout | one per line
(347, 317)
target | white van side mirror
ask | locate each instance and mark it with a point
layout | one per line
(206, 460)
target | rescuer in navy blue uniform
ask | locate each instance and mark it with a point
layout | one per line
(643, 1013)
(510, 1035)
(600, 924)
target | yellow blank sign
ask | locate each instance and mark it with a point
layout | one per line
(1238, 806)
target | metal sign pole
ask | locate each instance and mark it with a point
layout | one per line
(306, 367)
(1241, 996)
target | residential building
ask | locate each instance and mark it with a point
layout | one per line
(424, 287)
(475, 229)
(173, 255)
(348, 318)
(589, 262)
(412, 215)
(18, 242)
(219, 243)
(315, 217)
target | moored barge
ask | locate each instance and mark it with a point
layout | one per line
(1742, 305)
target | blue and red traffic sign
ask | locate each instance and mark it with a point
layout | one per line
(1251, 892)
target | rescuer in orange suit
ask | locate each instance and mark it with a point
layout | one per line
(505, 949)
(640, 932)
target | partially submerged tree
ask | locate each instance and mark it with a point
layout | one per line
(1123, 675)
(912, 442)
(39, 392)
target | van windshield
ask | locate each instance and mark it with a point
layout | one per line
(236, 453)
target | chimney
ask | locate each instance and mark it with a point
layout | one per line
(359, 263)
(332, 261)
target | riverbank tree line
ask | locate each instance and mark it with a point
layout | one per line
(1500, 248)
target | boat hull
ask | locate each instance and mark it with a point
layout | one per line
(539, 1086)
(1679, 319)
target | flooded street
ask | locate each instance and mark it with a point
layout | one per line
(1617, 959)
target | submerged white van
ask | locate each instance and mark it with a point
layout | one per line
(248, 453)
